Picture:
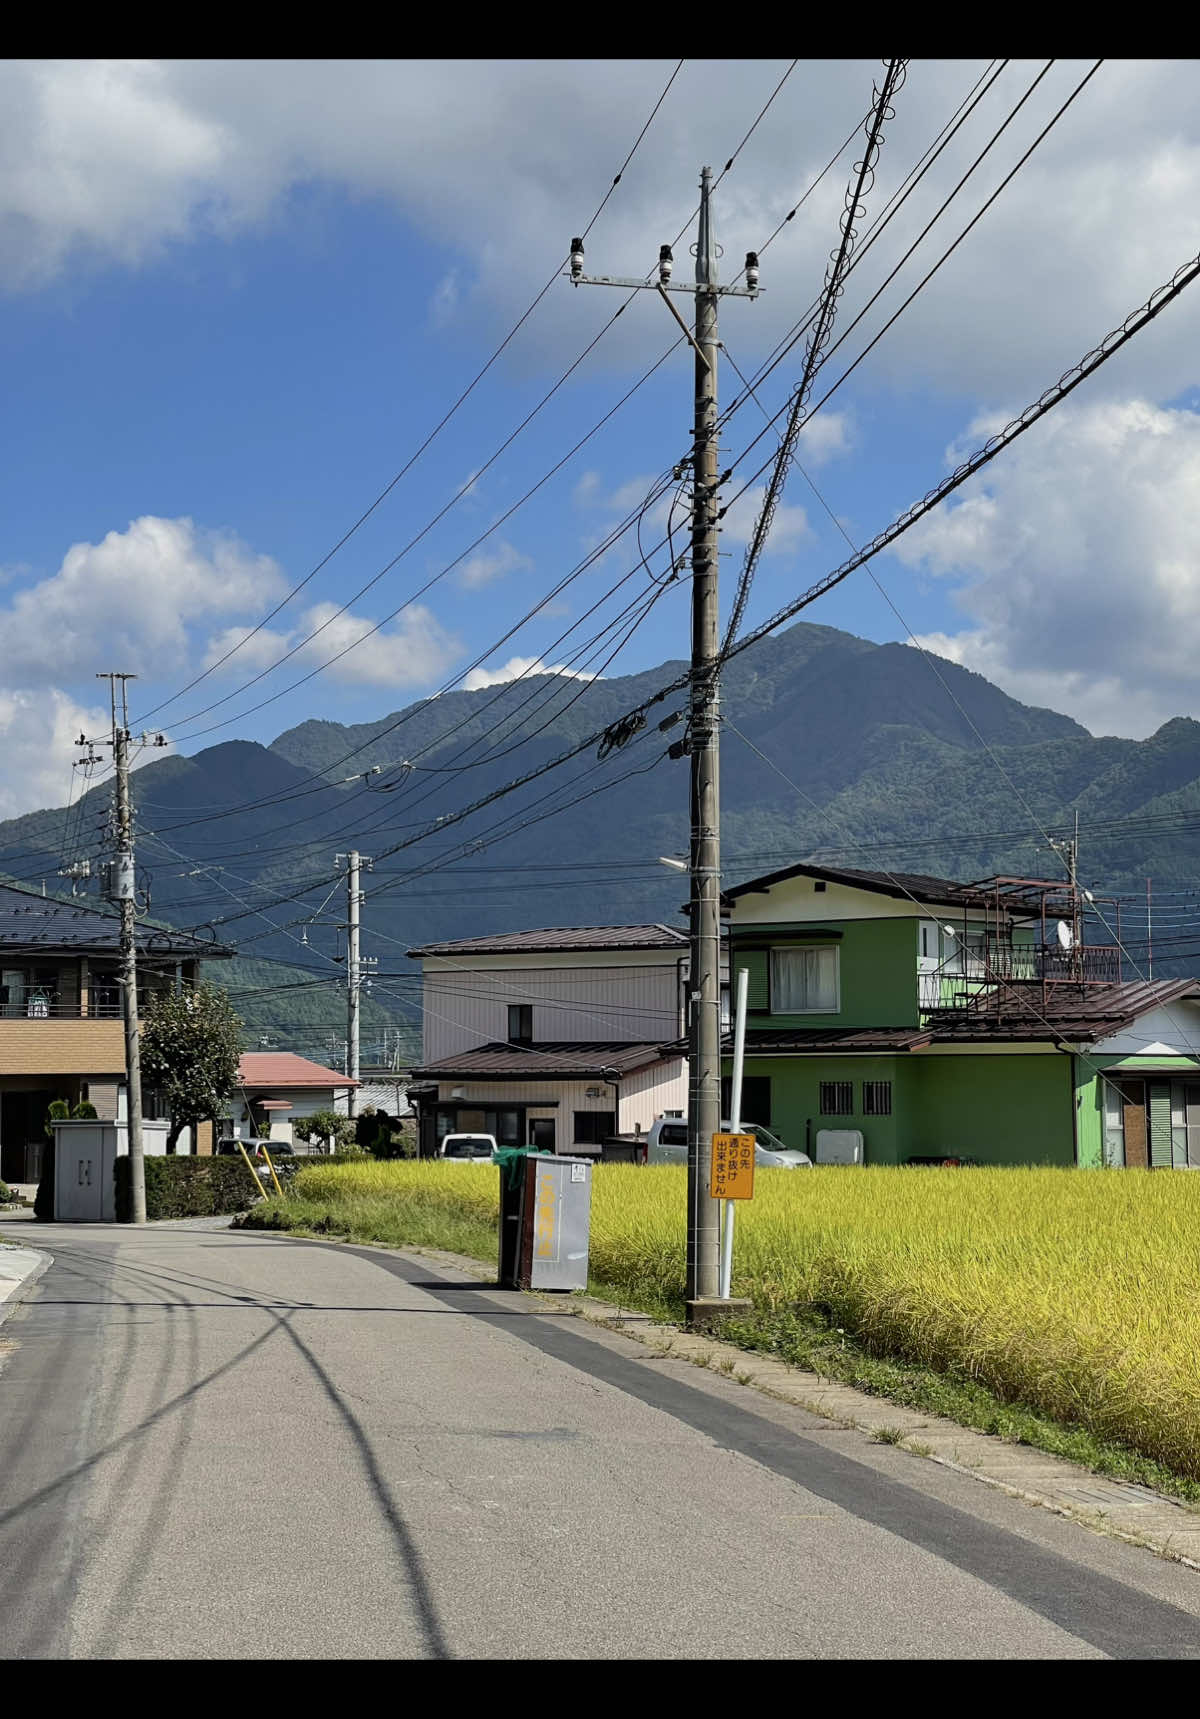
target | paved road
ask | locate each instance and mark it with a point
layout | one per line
(216, 1444)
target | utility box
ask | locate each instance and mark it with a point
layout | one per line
(85, 1153)
(838, 1146)
(545, 1221)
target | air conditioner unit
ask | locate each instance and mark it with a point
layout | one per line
(839, 1146)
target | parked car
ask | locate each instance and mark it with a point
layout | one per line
(667, 1142)
(466, 1148)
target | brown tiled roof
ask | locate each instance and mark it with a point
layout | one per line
(285, 1068)
(556, 939)
(901, 885)
(557, 1060)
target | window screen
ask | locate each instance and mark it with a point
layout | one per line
(804, 981)
(877, 1098)
(837, 1098)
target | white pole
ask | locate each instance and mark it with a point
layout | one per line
(735, 1122)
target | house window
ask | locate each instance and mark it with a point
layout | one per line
(837, 1098)
(877, 1098)
(592, 1127)
(520, 1023)
(805, 981)
(756, 1099)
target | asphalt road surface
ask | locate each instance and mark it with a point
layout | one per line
(229, 1445)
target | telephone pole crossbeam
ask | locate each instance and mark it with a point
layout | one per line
(704, 981)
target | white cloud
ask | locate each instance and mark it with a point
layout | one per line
(410, 651)
(129, 599)
(789, 528)
(491, 563)
(109, 161)
(1076, 561)
(513, 668)
(37, 752)
(824, 437)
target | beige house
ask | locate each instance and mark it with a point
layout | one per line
(61, 1032)
(553, 1037)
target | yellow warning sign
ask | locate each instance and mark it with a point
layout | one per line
(732, 1175)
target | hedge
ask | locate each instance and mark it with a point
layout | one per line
(189, 1187)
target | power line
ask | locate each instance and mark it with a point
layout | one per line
(438, 428)
(413, 541)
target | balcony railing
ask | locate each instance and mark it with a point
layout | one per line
(37, 1003)
(1002, 965)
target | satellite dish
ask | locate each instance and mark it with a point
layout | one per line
(1065, 935)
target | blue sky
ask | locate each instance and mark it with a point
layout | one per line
(237, 296)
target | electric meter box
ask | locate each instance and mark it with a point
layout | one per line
(838, 1146)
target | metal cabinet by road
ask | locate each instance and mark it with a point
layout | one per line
(545, 1221)
(85, 1155)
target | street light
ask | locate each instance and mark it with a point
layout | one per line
(673, 863)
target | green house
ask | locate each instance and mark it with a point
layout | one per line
(896, 1018)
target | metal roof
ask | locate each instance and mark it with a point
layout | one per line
(285, 1068)
(772, 1042)
(31, 922)
(558, 1060)
(562, 938)
(1070, 1012)
(901, 885)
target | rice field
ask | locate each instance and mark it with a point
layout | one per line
(1076, 1293)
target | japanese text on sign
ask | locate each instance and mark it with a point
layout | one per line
(732, 1176)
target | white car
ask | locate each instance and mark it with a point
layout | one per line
(467, 1148)
(667, 1143)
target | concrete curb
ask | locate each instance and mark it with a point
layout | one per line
(19, 1267)
(1136, 1514)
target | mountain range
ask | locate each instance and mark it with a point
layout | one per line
(832, 747)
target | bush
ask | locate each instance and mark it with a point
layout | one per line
(59, 1111)
(323, 1123)
(85, 1111)
(187, 1187)
(6, 1194)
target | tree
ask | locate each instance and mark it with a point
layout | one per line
(191, 1049)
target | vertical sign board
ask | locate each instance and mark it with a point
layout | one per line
(545, 1216)
(732, 1167)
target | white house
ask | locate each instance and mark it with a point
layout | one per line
(284, 1087)
(553, 1037)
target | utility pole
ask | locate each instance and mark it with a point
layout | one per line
(1069, 852)
(122, 887)
(704, 981)
(354, 966)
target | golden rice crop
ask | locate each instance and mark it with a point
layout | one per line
(1075, 1292)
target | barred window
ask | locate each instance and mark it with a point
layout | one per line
(877, 1098)
(837, 1098)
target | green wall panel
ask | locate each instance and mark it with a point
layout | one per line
(878, 963)
(1089, 1114)
(997, 1109)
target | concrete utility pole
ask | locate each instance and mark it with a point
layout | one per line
(704, 983)
(122, 890)
(354, 965)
